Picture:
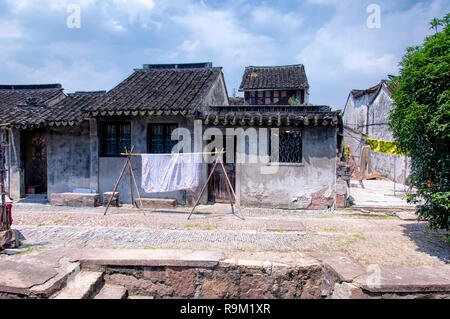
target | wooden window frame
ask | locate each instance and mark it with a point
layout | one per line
(165, 134)
(103, 126)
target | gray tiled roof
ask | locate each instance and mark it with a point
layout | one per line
(160, 90)
(70, 111)
(274, 77)
(236, 100)
(27, 104)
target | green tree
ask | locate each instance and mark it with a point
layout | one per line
(435, 23)
(420, 122)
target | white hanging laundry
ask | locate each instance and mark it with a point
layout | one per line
(170, 172)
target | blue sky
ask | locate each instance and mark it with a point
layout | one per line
(330, 37)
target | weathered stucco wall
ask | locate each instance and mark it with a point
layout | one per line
(216, 96)
(355, 112)
(394, 167)
(309, 185)
(68, 159)
(379, 117)
(373, 121)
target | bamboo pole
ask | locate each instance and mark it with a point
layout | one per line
(117, 183)
(230, 190)
(135, 184)
(131, 179)
(203, 189)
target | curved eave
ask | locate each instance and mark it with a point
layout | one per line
(46, 124)
(162, 112)
(272, 120)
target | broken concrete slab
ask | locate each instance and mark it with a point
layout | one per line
(146, 258)
(406, 279)
(345, 268)
(19, 277)
(56, 283)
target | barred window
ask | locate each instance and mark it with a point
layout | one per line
(115, 137)
(289, 147)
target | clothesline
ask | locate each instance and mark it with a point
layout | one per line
(206, 153)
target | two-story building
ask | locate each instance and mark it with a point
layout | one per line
(275, 85)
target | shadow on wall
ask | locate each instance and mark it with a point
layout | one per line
(429, 242)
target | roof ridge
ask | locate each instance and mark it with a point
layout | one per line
(274, 66)
(179, 70)
(30, 86)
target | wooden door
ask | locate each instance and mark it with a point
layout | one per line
(217, 190)
(35, 162)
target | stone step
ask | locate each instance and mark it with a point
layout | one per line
(156, 202)
(112, 292)
(83, 286)
(75, 199)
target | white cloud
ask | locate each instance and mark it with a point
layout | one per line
(10, 29)
(19, 6)
(267, 16)
(77, 76)
(339, 52)
(219, 34)
(344, 54)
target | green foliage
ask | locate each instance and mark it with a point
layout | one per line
(420, 122)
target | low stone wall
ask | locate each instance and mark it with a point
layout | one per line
(187, 274)
(245, 280)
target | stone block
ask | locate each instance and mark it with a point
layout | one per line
(154, 275)
(256, 286)
(139, 286)
(115, 202)
(219, 288)
(156, 203)
(183, 282)
(75, 199)
(10, 239)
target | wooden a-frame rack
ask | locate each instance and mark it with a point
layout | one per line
(231, 193)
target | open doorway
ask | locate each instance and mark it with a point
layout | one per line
(34, 159)
(217, 190)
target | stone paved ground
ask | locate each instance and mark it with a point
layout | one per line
(383, 240)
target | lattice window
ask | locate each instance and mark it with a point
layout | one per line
(289, 147)
(160, 138)
(115, 137)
